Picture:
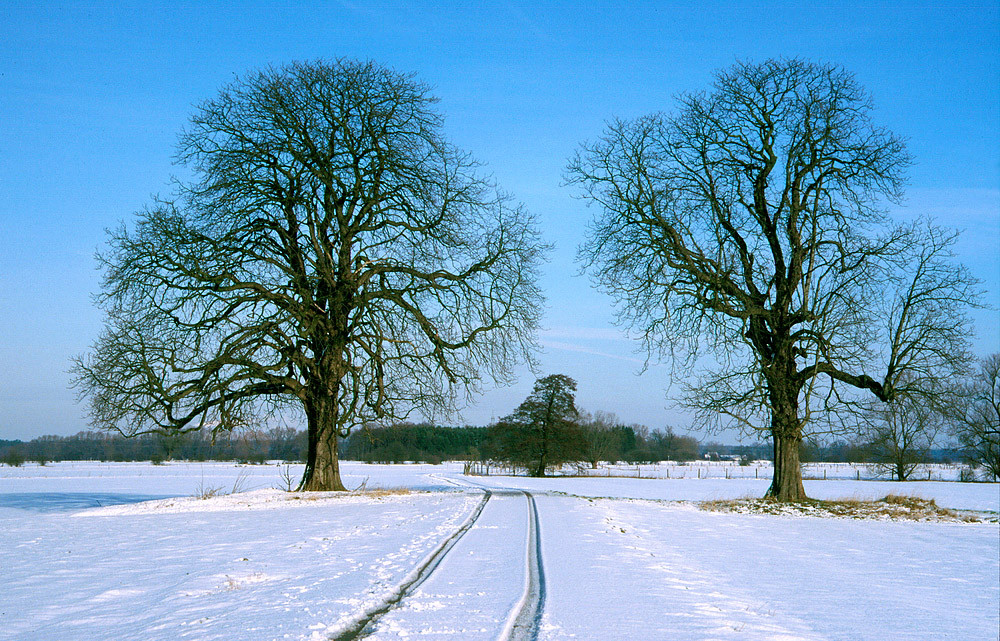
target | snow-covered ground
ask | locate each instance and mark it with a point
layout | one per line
(127, 551)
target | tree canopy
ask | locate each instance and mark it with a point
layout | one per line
(332, 255)
(544, 430)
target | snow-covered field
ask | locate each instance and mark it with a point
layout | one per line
(127, 551)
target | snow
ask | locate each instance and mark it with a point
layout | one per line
(247, 567)
(722, 576)
(481, 579)
(129, 551)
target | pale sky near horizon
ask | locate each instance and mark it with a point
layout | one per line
(93, 95)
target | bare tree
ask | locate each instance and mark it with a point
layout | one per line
(333, 255)
(750, 225)
(977, 416)
(899, 435)
(668, 446)
(602, 437)
(544, 430)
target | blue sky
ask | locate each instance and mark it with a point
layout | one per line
(92, 96)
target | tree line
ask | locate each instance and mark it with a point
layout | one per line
(599, 437)
(588, 442)
(396, 443)
(249, 446)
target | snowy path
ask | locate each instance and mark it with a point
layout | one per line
(489, 586)
(668, 595)
(525, 621)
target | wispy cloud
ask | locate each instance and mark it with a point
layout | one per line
(570, 347)
(585, 333)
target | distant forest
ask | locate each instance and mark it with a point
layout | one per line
(248, 446)
(391, 444)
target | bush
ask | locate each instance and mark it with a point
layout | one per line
(13, 457)
(967, 474)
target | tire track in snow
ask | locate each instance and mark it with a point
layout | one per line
(365, 624)
(524, 621)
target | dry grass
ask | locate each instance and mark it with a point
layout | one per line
(368, 492)
(384, 491)
(211, 491)
(207, 492)
(889, 508)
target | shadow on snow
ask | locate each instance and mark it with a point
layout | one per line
(67, 501)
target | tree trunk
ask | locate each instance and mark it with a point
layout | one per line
(786, 485)
(545, 426)
(322, 465)
(539, 470)
(543, 455)
(786, 430)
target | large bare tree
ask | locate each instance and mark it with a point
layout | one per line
(751, 225)
(333, 254)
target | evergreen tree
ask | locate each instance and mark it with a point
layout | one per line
(544, 430)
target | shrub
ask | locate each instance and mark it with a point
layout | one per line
(967, 474)
(13, 457)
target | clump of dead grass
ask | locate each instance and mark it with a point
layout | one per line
(893, 507)
(367, 492)
(379, 492)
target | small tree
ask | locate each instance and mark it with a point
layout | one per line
(899, 436)
(334, 257)
(13, 457)
(544, 430)
(976, 416)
